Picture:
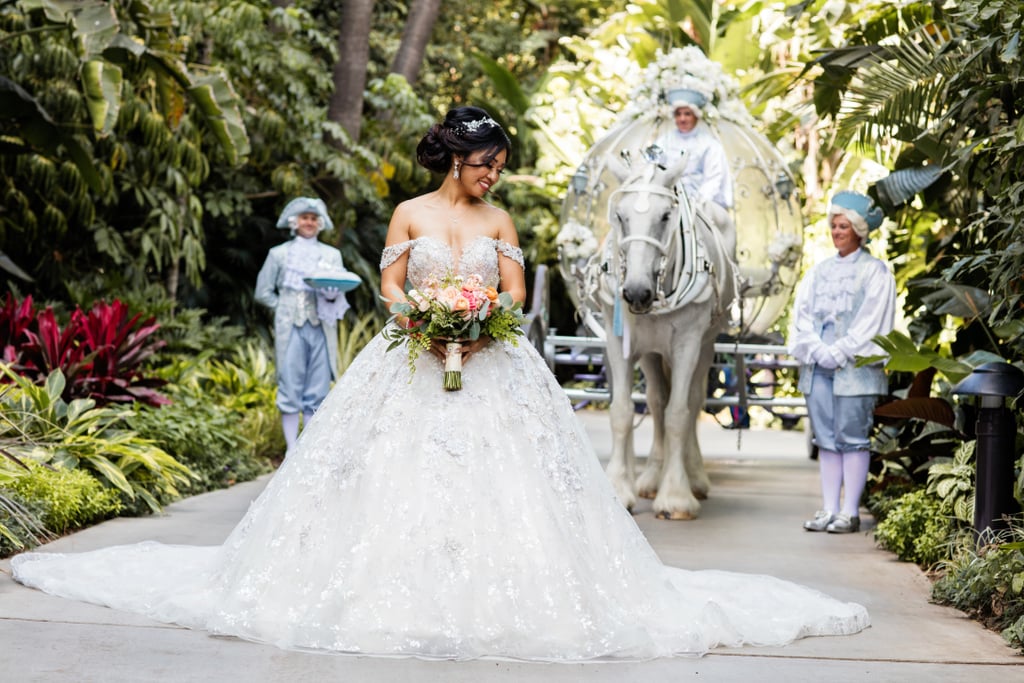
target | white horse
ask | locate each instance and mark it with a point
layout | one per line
(668, 283)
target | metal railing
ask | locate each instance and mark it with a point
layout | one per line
(561, 350)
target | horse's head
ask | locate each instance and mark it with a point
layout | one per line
(644, 218)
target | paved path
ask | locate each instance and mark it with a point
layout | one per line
(761, 492)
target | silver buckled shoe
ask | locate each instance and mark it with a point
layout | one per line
(821, 521)
(843, 524)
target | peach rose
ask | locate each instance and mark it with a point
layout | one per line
(448, 296)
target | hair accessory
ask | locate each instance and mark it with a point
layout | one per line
(474, 125)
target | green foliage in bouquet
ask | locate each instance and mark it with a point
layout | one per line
(455, 308)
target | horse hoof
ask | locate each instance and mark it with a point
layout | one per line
(648, 494)
(699, 495)
(676, 515)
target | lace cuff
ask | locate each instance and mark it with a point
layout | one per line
(393, 253)
(514, 253)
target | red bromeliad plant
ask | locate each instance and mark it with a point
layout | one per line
(100, 352)
(15, 319)
(119, 345)
(48, 348)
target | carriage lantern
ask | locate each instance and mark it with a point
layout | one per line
(580, 179)
(996, 431)
(784, 186)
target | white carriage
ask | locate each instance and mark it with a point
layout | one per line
(769, 230)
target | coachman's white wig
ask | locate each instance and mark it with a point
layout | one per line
(301, 205)
(859, 209)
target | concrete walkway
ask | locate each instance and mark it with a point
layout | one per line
(761, 493)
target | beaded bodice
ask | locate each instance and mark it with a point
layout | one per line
(431, 256)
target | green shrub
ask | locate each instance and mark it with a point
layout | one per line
(244, 386)
(21, 524)
(918, 529)
(203, 435)
(69, 499)
(883, 499)
(988, 584)
(951, 480)
(37, 424)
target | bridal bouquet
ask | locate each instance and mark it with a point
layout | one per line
(453, 309)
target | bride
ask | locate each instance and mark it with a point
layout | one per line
(413, 521)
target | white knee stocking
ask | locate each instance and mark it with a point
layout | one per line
(855, 476)
(306, 417)
(831, 465)
(290, 425)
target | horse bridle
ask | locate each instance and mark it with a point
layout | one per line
(671, 246)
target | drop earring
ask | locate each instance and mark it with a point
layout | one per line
(455, 173)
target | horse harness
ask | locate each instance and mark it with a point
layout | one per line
(688, 279)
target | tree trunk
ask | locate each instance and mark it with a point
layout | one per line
(346, 106)
(418, 27)
(274, 26)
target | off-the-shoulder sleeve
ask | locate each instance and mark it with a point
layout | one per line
(514, 253)
(393, 253)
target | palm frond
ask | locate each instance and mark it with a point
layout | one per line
(898, 92)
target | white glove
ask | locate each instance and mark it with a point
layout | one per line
(329, 293)
(823, 358)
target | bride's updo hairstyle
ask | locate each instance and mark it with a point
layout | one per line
(464, 130)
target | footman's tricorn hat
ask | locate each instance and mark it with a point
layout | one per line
(302, 205)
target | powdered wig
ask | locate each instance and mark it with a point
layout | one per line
(289, 218)
(859, 209)
(464, 130)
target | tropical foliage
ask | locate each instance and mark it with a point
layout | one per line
(69, 498)
(38, 424)
(100, 353)
(222, 422)
(987, 582)
(936, 91)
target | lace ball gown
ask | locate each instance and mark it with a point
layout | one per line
(413, 521)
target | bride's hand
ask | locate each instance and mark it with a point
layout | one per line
(469, 348)
(437, 348)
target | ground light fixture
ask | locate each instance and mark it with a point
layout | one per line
(995, 451)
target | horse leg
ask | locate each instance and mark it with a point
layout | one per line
(675, 500)
(693, 458)
(621, 468)
(654, 374)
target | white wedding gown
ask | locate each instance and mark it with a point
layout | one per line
(413, 521)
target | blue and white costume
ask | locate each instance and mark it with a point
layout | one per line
(305, 319)
(841, 304)
(707, 173)
(706, 178)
